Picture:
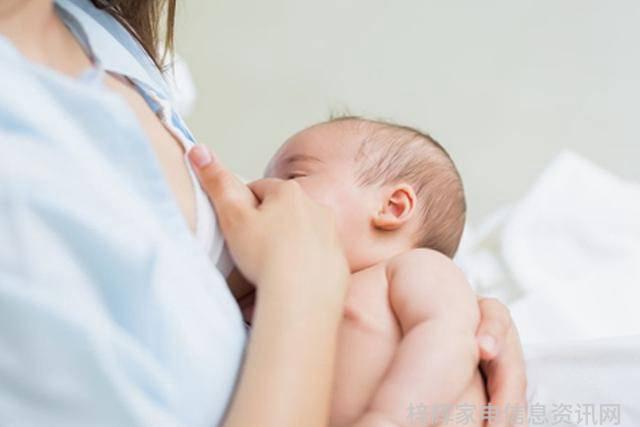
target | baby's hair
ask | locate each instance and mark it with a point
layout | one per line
(392, 153)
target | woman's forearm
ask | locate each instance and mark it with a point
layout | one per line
(288, 246)
(287, 375)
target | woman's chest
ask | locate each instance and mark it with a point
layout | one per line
(169, 151)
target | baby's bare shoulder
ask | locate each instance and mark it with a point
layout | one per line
(428, 281)
(423, 261)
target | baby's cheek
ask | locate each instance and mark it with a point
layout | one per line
(346, 203)
(351, 215)
(318, 192)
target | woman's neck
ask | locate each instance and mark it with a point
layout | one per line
(35, 29)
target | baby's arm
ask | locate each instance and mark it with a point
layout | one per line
(438, 356)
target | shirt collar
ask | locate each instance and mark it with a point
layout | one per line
(113, 46)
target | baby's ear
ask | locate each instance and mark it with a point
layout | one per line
(398, 206)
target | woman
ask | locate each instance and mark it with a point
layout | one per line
(111, 310)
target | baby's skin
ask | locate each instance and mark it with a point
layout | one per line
(406, 340)
(407, 350)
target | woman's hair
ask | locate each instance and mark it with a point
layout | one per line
(143, 19)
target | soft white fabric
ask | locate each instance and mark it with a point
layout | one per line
(581, 373)
(573, 246)
(566, 259)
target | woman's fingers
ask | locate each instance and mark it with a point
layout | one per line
(507, 384)
(495, 322)
(264, 187)
(273, 190)
(231, 198)
(502, 362)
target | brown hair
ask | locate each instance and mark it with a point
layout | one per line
(392, 153)
(143, 19)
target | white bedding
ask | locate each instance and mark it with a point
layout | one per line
(566, 259)
(584, 375)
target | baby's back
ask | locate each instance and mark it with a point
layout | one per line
(370, 336)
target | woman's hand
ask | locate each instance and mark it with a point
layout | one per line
(272, 228)
(287, 246)
(502, 360)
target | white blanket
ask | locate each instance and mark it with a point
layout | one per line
(573, 247)
(588, 378)
(566, 259)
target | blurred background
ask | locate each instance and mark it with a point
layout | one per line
(536, 100)
(504, 85)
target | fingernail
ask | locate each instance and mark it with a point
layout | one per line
(200, 156)
(487, 343)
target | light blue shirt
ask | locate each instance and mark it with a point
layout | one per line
(111, 313)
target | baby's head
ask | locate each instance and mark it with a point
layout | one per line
(392, 188)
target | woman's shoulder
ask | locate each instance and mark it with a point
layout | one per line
(115, 47)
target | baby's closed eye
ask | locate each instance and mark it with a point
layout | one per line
(295, 175)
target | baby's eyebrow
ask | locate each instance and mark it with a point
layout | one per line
(301, 158)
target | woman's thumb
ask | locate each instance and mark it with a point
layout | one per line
(229, 195)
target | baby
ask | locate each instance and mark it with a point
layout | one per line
(407, 353)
